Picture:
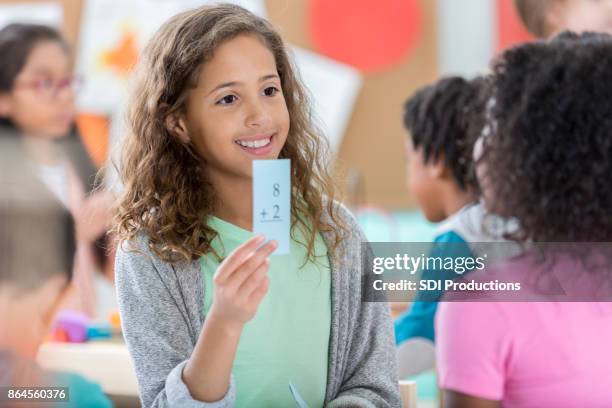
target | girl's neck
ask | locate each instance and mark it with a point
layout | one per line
(234, 201)
(456, 200)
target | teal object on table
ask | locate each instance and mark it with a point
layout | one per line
(99, 331)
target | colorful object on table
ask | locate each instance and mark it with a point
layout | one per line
(115, 320)
(99, 331)
(58, 335)
(74, 325)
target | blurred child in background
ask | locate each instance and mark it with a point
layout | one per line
(547, 158)
(544, 18)
(443, 120)
(37, 244)
(37, 107)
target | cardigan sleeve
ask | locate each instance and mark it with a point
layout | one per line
(367, 355)
(156, 331)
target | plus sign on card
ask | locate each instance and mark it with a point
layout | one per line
(272, 201)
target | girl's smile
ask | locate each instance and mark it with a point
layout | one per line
(257, 145)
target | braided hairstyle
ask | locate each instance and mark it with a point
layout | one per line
(444, 119)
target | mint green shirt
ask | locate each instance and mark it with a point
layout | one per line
(288, 339)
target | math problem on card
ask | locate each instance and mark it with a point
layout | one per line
(272, 201)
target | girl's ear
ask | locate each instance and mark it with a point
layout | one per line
(177, 127)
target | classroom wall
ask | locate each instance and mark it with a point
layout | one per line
(450, 37)
(374, 134)
(373, 144)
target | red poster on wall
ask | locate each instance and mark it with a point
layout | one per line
(370, 35)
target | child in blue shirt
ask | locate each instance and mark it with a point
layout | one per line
(443, 120)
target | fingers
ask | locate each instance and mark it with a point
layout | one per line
(254, 280)
(250, 265)
(258, 294)
(241, 280)
(236, 258)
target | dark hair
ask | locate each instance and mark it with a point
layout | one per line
(444, 119)
(549, 151)
(16, 43)
(37, 238)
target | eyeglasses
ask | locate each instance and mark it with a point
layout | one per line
(50, 88)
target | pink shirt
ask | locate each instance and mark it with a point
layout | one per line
(547, 354)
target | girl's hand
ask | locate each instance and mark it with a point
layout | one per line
(240, 285)
(241, 282)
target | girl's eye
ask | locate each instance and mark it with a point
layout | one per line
(226, 100)
(271, 91)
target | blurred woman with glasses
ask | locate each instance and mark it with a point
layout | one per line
(37, 105)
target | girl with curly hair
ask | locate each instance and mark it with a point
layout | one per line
(209, 318)
(546, 163)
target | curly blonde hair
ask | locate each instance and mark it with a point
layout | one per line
(166, 192)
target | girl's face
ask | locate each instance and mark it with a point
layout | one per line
(237, 113)
(41, 102)
(583, 15)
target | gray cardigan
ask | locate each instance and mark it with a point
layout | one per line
(161, 312)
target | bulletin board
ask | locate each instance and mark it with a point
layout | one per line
(371, 156)
(370, 159)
